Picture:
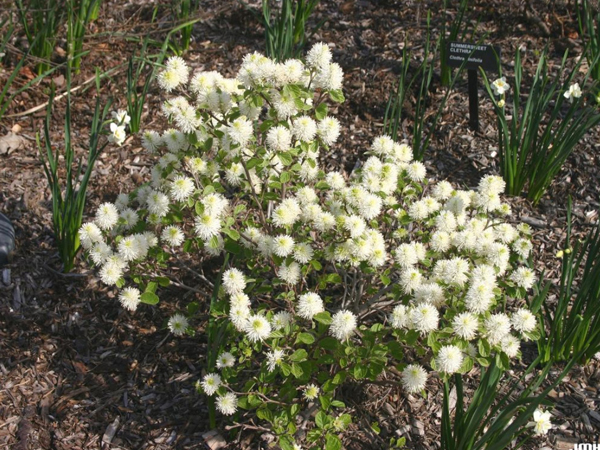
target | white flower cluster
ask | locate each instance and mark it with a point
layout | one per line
(117, 128)
(240, 173)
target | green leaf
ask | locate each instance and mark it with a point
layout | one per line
(360, 371)
(163, 281)
(325, 401)
(321, 111)
(305, 338)
(286, 443)
(150, 298)
(321, 419)
(199, 207)
(332, 442)
(316, 264)
(285, 158)
(265, 414)
(284, 177)
(299, 355)
(233, 234)
(323, 317)
(297, 370)
(151, 287)
(337, 96)
(239, 209)
(192, 308)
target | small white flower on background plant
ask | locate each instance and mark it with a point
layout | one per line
(225, 360)
(227, 404)
(178, 323)
(172, 235)
(121, 117)
(130, 298)
(257, 328)
(343, 324)
(311, 391)
(118, 133)
(309, 305)
(449, 359)
(210, 383)
(274, 359)
(500, 86)
(414, 378)
(541, 422)
(573, 92)
(107, 216)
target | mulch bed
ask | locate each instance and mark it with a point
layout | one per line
(77, 371)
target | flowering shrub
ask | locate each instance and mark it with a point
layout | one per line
(329, 277)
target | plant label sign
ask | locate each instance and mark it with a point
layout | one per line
(472, 57)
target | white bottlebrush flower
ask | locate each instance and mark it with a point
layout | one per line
(158, 203)
(118, 134)
(449, 359)
(523, 277)
(290, 273)
(523, 320)
(406, 255)
(151, 140)
(522, 247)
(89, 234)
(287, 213)
(239, 317)
(274, 359)
(107, 216)
(500, 86)
(416, 171)
(283, 245)
(410, 279)
(130, 217)
(414, 378)
(335, 180)
(330, 77)
(304, 128)
(279, 139)
(465, 325)
(257, 328)
(480, 297)
(227, 404)
(112, 271)
(311, 391)
(234, 281)
(424, 317)
(224, 360)
(497, 326)
(172, 235)
(310, 304)
(399, 318)
(129, 248)
(510, 345)
(100, 252)
(430, 292)
(318, 56)
(541, 423)
(443, 190)
(178, 323)
(303, 253)
(122, 201)
(130, 298)
(343, 324)
(181, 188)
(329, 130)
(573, 92)
(281, 320)
(206, 226)
(240, 131)
(211, 383)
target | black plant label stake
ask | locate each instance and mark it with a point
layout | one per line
(472, 57)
